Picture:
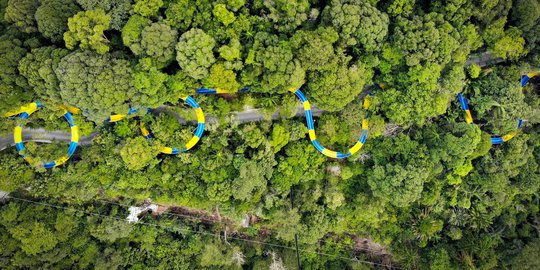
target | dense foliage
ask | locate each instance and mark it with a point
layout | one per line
(427, 190)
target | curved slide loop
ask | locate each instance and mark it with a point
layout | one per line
(118, 117)
(497, 139)
(25, 112)
(313, 137)
(196, 135)
(525, 78)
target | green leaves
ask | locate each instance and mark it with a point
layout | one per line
(286, 15)
(34, 238)
(132, 31)
(333, 89)
(52, 18)
(97, 84)
(222, 78)
(399, 185)
(119, 10)
(358, 23)
(251, 181)
(20, 13)
(153, 40)
(428, 38)
(315, 49)
(38, 67)
(152, 91)
(271, 66)
(147, 8)
(511, 45)
(86, 29)
(194, 53)
(137, 153)
(223, 15)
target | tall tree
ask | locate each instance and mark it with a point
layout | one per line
(86, 29)
(97, 84)
(52, 18)
(194, 53)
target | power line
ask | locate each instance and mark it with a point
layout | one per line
(176, 228)
(352, 247)
(165, 213)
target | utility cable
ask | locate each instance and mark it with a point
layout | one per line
(178, 228)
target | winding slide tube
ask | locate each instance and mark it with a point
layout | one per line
(24, 112)
(313, 137)
(310, 122)
(196, 135)
(497, 139)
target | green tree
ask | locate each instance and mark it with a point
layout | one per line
(156, 40)
(151, 86)
(404, 102)
(400, 7)
(357, 22)
(474, 71)
(13, 86)
(399, 185)
(97, 84)
(20, 13)
(223, 15)
(16, 173)
(511, 46)
(526, 13)
(230, 52)
(333, 89)
(147, 8)
(132, 32)
(194, 53)
(38, 67)
(498, 102)
(251, 179)
(280, 137)
(400, 169)
(52, 18)
(108, 230)
(217, 254)
(287, 222)
(271, 66)
(527, 258)
(235, 5)
(137, 153)
(427, 38)
(285, 15)
(315, 49)
(222, 78)
(86, 29)
(35, 238)
(119, 10)
(300, 164)
(180, 14)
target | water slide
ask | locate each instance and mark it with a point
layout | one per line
(497, 139)
(196, 135)
(170, 150)
(313, 137)
(24, 113)
(310, 123)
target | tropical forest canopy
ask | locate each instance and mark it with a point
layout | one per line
(428, 189)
